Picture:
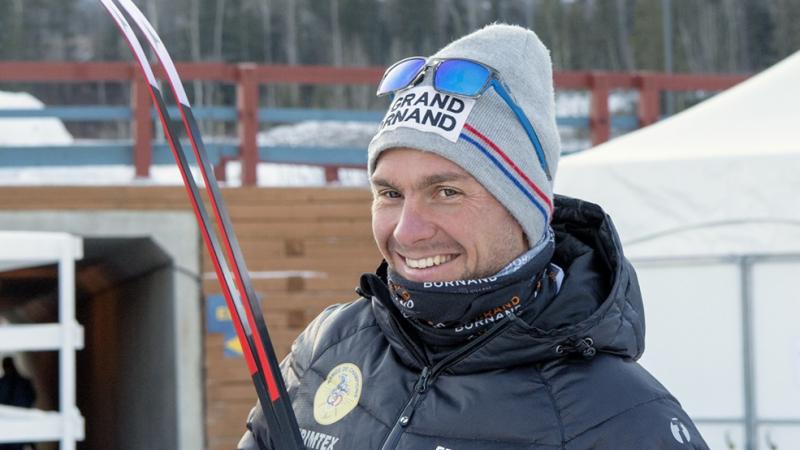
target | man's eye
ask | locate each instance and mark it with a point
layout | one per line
(390, 194)
(448, 192)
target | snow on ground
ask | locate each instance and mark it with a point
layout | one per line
(33, 131)
(304, 134)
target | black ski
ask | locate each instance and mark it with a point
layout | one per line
(249, 323)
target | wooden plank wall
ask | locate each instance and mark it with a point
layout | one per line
(325, 231)
(322, 231)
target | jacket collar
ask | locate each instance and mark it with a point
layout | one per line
(598, 309)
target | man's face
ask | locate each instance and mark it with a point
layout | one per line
(433, 221)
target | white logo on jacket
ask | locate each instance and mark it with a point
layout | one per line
(679, 431)
(318, 441)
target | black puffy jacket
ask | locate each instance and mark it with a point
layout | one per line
(565, 379)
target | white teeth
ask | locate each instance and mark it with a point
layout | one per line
(430, 261)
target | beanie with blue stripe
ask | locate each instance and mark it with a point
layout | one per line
(489, 142)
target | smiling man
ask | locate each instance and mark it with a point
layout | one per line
(502, 317)
(433, 221)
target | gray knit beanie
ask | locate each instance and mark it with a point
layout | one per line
(483, 136)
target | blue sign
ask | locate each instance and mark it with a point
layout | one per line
(233, 348)
(218, 320)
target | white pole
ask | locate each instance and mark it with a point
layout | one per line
(66, 318)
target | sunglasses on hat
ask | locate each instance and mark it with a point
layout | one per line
(457, 76)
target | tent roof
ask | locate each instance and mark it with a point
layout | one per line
(710, 180)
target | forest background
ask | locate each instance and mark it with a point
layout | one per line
(707, 36)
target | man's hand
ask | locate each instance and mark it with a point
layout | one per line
(247, 442)
(255, 438)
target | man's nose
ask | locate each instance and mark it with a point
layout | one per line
(414, 224)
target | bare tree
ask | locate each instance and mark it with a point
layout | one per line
(336, 34)
(152, 12)
(442, 19)
(529, 6)
(194, 30)
(456, 20)
(194, 48)
(624, 35)
(17, 28)
(266, 26)
(337, 50)
(290, 21)
(732, 38)
(472, 14)
(219, 28)
(292, 50)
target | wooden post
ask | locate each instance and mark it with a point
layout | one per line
(649, 100)
(331, 174)
(247, 104)
(220, 170)
(599, 117)
(142, 126)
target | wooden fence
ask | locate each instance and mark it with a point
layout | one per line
(248, 114)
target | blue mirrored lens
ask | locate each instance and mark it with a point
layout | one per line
(400, 75)
(462, 77)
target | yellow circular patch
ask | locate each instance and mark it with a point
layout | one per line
(338, 394)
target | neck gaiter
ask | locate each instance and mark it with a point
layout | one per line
(451, 312)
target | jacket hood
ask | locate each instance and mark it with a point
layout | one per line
(598, 308)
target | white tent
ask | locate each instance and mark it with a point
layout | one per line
(707, 204)
(722, 177)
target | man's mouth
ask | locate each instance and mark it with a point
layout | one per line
(430, 261)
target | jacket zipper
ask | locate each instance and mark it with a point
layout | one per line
(420, 387)
(429, 375)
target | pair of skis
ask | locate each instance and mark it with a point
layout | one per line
(236, 285)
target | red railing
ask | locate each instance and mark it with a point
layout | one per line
(248, 77)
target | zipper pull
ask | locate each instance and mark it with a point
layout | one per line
(422, 382)
(419, 388)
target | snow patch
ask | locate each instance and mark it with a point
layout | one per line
(32, 131)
